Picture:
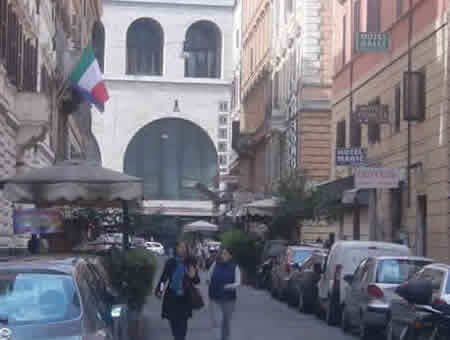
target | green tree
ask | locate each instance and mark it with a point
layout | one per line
(297, 202)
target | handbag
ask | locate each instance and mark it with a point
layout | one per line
(195, 297)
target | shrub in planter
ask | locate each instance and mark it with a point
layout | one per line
(246, 251)
(132, 272)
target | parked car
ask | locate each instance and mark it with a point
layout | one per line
(404, 314)
(343, 259)
(56, 299)
(284, 264)
(273, 248)
(155, 247)
(372, 288)
(302, 287)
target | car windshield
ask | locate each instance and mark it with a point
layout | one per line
(396, 271)
(299, 256)
(33, 298)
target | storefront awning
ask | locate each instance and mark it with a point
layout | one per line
(355, 196)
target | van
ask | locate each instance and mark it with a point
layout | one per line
(343, 259)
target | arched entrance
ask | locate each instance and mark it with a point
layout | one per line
(171, 155)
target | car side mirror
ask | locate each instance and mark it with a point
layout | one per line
(348, 278)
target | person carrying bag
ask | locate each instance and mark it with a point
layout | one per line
(181, 297)
(224, 279)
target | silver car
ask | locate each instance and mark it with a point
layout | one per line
(372, 288)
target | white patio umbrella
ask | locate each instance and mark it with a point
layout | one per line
(74, 183)
(200, 226)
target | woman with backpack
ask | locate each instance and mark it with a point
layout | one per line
(177, 280)
(224, 279)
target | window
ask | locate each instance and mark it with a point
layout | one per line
(288, 9)
(399, 8)
(397, 108)
(223, 133)
(356, 20)
(204, 51)
(145, 40)
(238, 38)
(340, 134)
(397, 271)
(373, 16)
(223, 106)
(223, 120)
(3, 27)
(355, 133)
(374, 130)
(222, 146)
(29, 298)
(344, 38)
(414, 95)
(223, 160)
(98, 44)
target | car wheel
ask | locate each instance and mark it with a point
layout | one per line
(390, 330)
(364, 331)
(331, 313)
(345, 325)
(301, 302)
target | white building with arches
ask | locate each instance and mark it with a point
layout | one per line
(168, 69)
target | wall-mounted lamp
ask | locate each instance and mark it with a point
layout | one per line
(176, 106)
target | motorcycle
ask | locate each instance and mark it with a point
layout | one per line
(432, 322)
(263, 274)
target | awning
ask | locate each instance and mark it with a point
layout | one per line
(356, 196)
(200, 226)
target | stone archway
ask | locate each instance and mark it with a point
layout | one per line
(171, 155)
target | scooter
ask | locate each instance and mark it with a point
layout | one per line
(432, 321)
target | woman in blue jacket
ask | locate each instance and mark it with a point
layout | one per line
(224, 278)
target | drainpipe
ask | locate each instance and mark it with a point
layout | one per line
(410, 32)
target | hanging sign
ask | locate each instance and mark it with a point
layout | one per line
(351, 156)
(372, 42)
(372, 113)
(376, 178)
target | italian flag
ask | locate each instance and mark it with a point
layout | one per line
(87, 78)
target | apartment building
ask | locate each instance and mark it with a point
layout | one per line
(40, 41)
(414, 140)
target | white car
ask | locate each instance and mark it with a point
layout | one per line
(155, 247)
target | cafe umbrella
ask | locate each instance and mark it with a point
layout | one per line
(75, 183)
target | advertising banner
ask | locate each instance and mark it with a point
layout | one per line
(37, 221)
(377, 178)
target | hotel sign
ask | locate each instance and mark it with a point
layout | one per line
(372, 113)
(351, 156)
(372, 42)
(376, 178)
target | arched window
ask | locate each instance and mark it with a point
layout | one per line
(145, 41)
(203, 47)
(98, 44)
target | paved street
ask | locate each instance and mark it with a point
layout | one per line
(257, 317)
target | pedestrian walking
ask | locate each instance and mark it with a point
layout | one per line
(180, 273)
(224, 279)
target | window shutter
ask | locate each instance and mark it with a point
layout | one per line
(373, 16)
(355, 136)
(344, 38)
(397, 108)
(340, 134)
(3, 27)
(399, 8)
(356, 21)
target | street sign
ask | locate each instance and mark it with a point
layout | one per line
(372, 42)
(372, 113)
(376, 178)
(350, 156)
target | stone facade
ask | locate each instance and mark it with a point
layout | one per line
(137, 100)
(29, 111)
(380, 76)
